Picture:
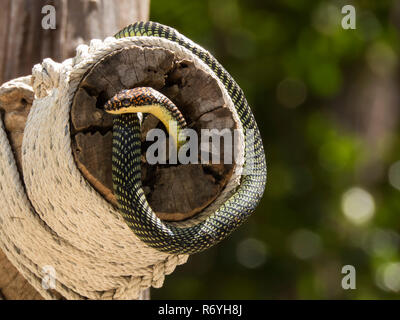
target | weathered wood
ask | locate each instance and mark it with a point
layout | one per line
(13, 285)
(175, 192)
(23, 43)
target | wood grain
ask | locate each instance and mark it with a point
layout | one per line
(175, 192)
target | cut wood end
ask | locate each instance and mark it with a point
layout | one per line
(175, 192)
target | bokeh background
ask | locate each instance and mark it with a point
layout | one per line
(327, 104)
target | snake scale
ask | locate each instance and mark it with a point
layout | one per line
(126, 169)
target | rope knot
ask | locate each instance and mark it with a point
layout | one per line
(45, 77)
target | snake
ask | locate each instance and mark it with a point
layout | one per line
(126, 157)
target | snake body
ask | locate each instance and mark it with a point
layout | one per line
(126, 167)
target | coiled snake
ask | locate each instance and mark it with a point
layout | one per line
(126, 167)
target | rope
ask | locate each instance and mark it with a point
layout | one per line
(54, 217)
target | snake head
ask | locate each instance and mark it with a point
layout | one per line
(149, 100)
(119, 101)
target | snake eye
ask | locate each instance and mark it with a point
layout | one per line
(126, 103)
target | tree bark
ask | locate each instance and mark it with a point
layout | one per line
(23, 43)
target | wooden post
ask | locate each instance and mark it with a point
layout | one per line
(23, 43)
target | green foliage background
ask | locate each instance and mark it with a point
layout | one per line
(297, 242)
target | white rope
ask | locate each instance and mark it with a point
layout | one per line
(54, 217)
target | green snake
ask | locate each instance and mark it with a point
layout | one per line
(126, 169)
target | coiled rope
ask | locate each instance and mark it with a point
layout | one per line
(53, 216)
